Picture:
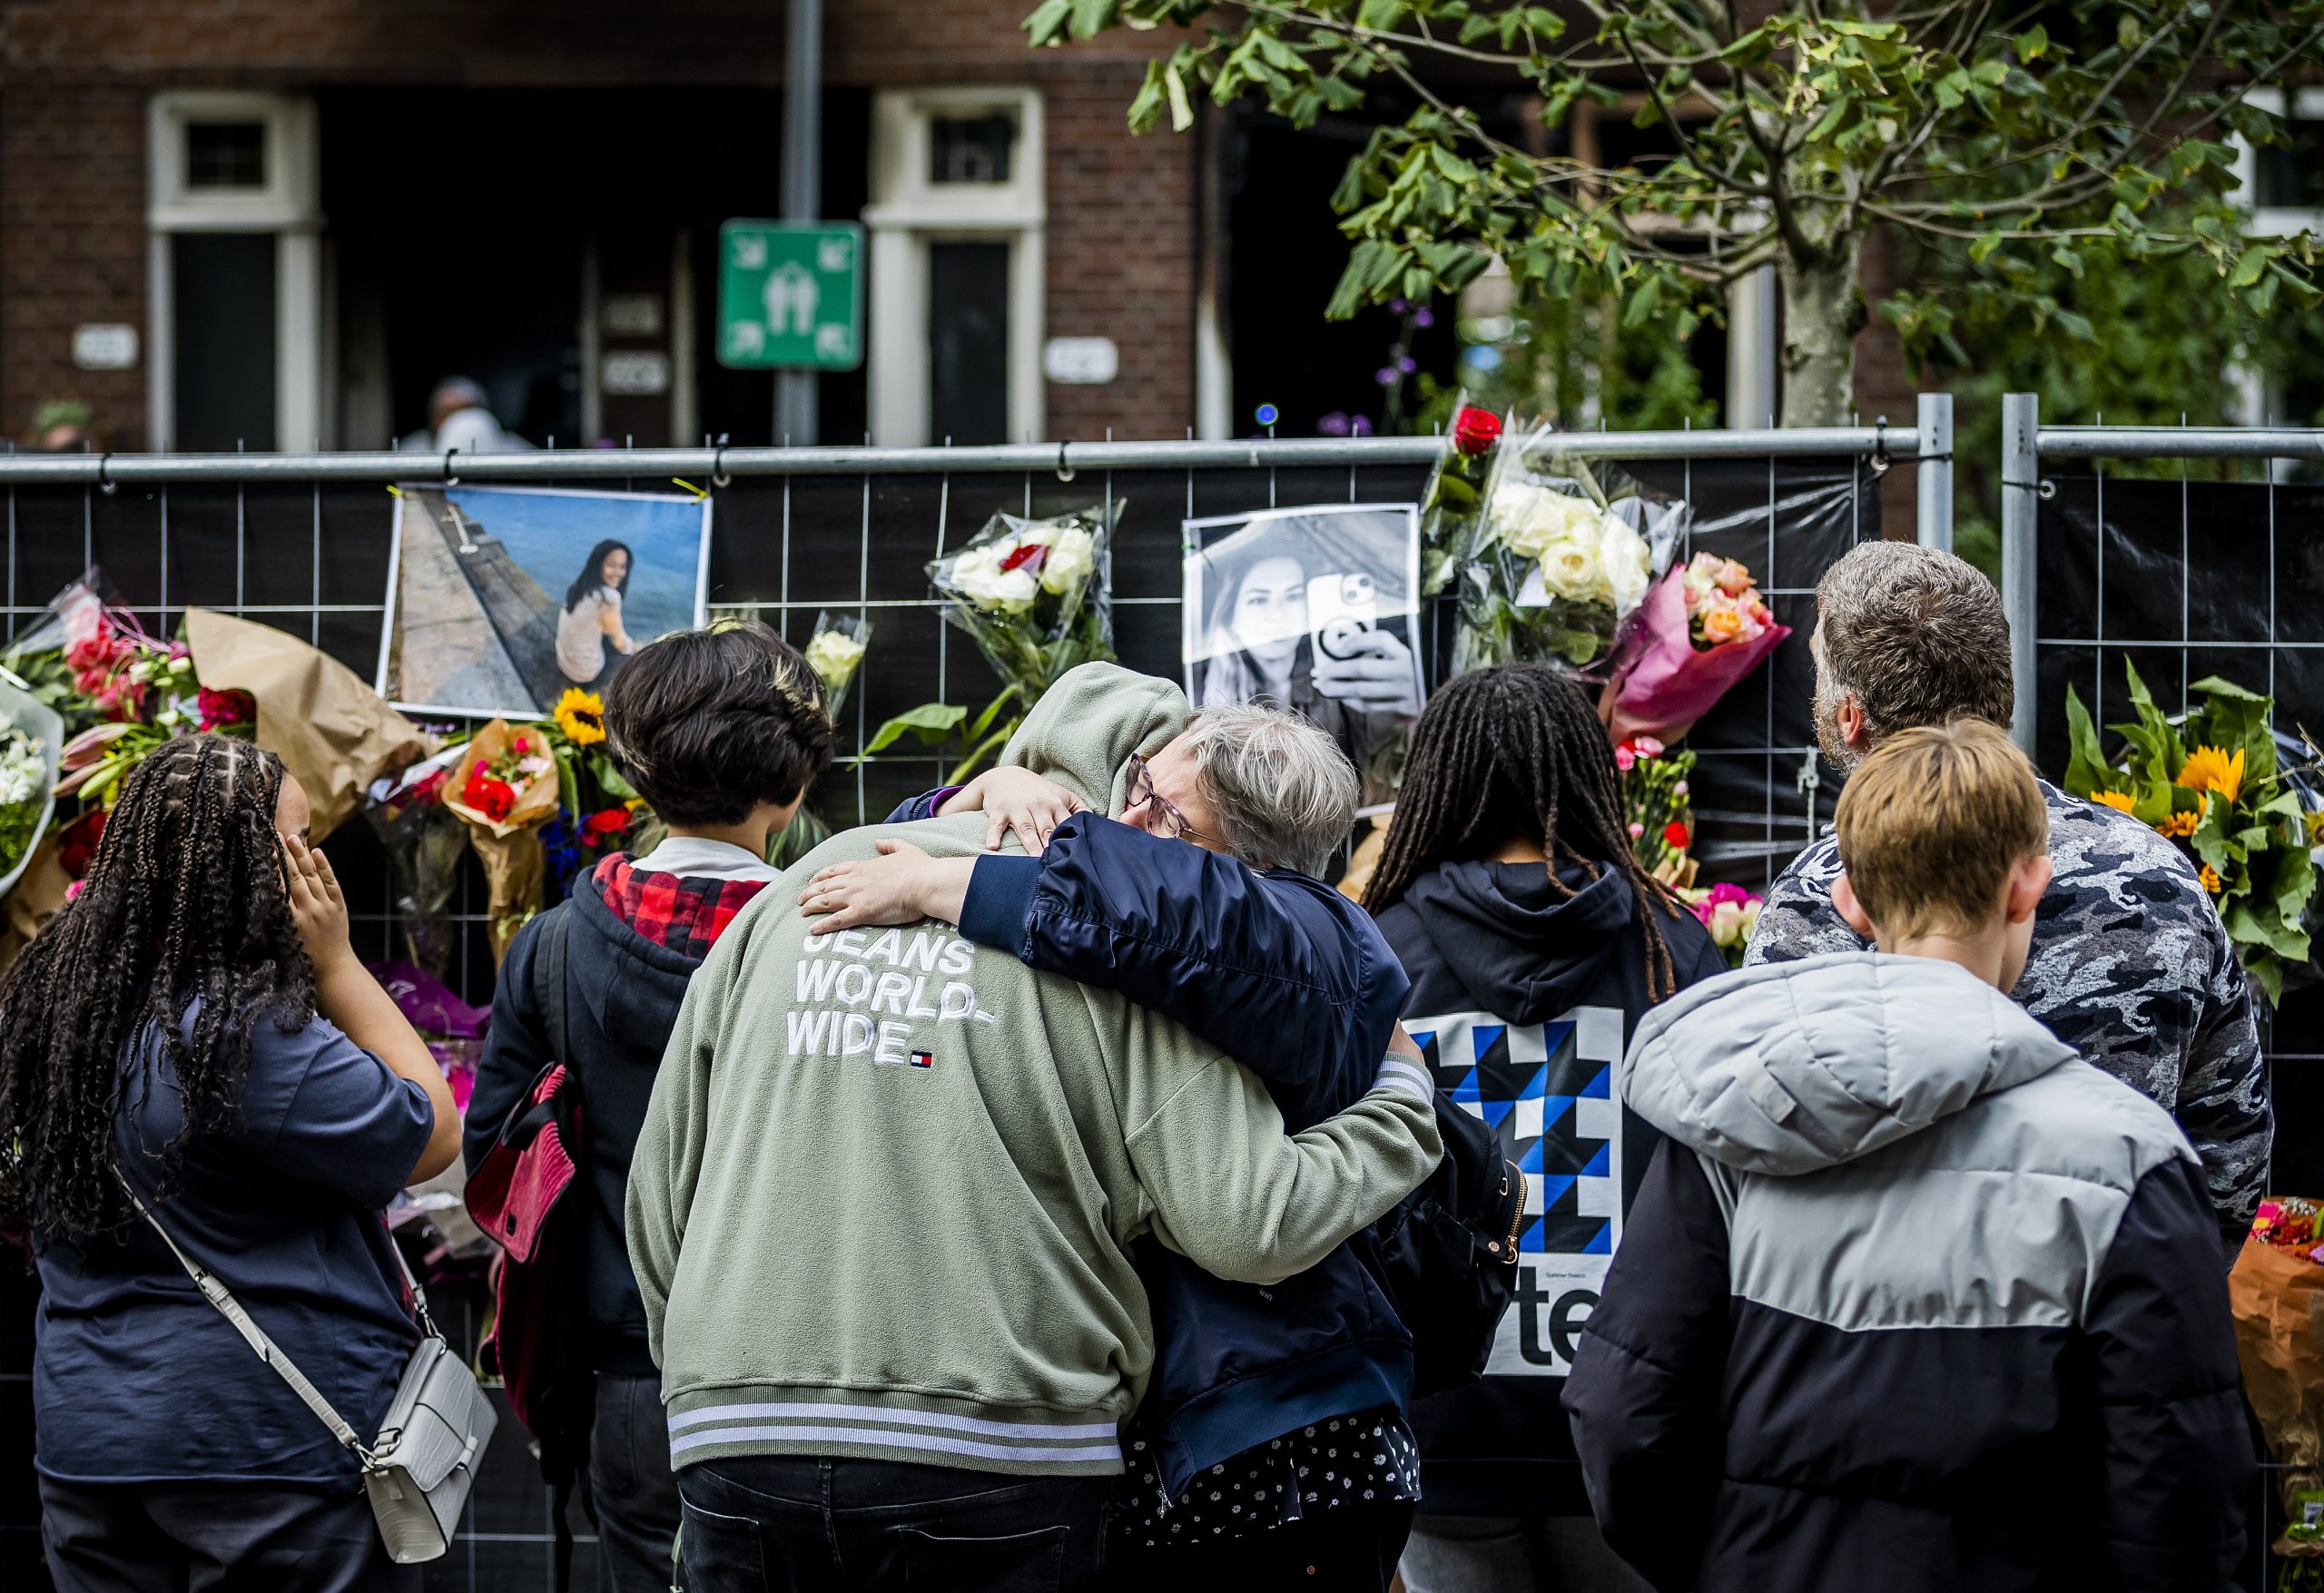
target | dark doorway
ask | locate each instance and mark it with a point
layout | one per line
(222, 318)
(968, 342)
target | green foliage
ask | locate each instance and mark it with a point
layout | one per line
(2248, 835)
(1796, 130)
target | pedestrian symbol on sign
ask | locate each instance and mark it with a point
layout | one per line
(791, 296)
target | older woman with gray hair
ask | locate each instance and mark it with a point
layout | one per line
(1274, 1421)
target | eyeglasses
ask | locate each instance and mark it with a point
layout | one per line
(1172, 822)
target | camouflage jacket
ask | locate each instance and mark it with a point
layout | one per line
(2130, 965)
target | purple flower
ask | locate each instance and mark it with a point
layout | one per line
(1387, 376)
(1397, 306)
(1336, 424)
(1361, 425)
(1408, 365)
(1423, 316)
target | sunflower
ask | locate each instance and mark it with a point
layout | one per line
(581, 716)
(2209, 878)
(2179, 826)
(2119, 800)
(2210, 768)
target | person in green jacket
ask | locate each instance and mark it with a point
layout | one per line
(880, 1214)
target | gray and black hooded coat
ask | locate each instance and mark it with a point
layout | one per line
(1913, 1298)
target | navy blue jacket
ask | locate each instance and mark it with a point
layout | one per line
(1501, 961)
(1293, 980)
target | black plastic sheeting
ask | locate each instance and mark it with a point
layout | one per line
(2188, 579)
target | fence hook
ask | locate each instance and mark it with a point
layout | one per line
(105, 483)
(1064, 470)
(1880, 446)
(450, 480)
(718, 476)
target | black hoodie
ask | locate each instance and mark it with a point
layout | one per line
(1526, 999)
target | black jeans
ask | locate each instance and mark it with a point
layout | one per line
(215, 1538)
(632, 1494)
(766, 1525)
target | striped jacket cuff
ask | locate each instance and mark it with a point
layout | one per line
(1411, 1079)
(880, 1426)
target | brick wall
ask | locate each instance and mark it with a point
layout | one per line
(72, 245)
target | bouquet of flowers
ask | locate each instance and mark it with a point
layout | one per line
(1036, 596)
(28, 738)
(504, 787)
(2276, 1295)
(1701, 629)
(2210, 783)
(1654, 800)
(1554, 567)
(1730, 913)
(424, 840)
(1455, 494)
(834, 651)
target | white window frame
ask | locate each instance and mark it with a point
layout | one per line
(908, 213)
(2276, 221)
(289, 206)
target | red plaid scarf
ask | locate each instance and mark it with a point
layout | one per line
(686, 915)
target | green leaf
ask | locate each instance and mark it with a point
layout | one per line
(1092, 18)
(2033, 42)
(1046, 25)
(931, 722)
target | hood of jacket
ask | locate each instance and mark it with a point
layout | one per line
(630, 984)
(1085, 728)
(1791, 1067)
(1525, 951)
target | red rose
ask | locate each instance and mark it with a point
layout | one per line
(430, 788)
(79, 843)
(1027, 554)
(222, 708)
(495, 799)
(607, 823)
(1674, 836)
(1475, 430)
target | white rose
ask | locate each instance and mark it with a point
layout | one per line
(1629, 566)
(1071, 558)
(1571, 568)
(834, 655)
(977, 576)
(1529, 518)
(1727, 926)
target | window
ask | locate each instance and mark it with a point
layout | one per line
(226, 154)
(2290, 175)
(234, 222)
(970, 149)
(956, 223)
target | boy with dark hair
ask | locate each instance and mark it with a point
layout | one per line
(1913, 1298)
(721, 731)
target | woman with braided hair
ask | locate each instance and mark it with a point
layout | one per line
(195, 1025)
(1507, 890)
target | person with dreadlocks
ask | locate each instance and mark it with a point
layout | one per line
(196, 1022)
(1535, 943)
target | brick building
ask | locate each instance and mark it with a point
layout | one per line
(309, 211)
(279, 222)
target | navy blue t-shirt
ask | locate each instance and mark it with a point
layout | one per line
(136, 1377)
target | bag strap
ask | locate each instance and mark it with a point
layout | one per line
(549, 983)
(219, 1295)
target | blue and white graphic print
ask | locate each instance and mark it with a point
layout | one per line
(1552, 1092)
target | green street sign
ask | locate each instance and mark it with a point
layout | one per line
(791, 296)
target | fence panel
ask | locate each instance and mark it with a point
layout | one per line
(302, 544)
(2184, 578)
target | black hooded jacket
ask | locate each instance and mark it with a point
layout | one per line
(1526, 999)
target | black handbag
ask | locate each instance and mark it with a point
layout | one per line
(1447, 1256)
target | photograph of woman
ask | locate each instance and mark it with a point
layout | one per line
(589, 624)
(1309, 609)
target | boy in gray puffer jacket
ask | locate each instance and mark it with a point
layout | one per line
(1913, 1298)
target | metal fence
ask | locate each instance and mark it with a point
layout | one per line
(302, 543)
(2185, 578)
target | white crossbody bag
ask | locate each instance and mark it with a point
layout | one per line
(417, 1472)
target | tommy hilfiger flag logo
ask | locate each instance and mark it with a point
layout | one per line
(924, 1059)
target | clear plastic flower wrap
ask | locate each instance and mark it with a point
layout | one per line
(1036, 594)
(425, 841)
(1560, 560)
(835, 651)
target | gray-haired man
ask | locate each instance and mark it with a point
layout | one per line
(2130, 965)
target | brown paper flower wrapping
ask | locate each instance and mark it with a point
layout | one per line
(2277, 1297)
(329, 727)
(509, 848)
